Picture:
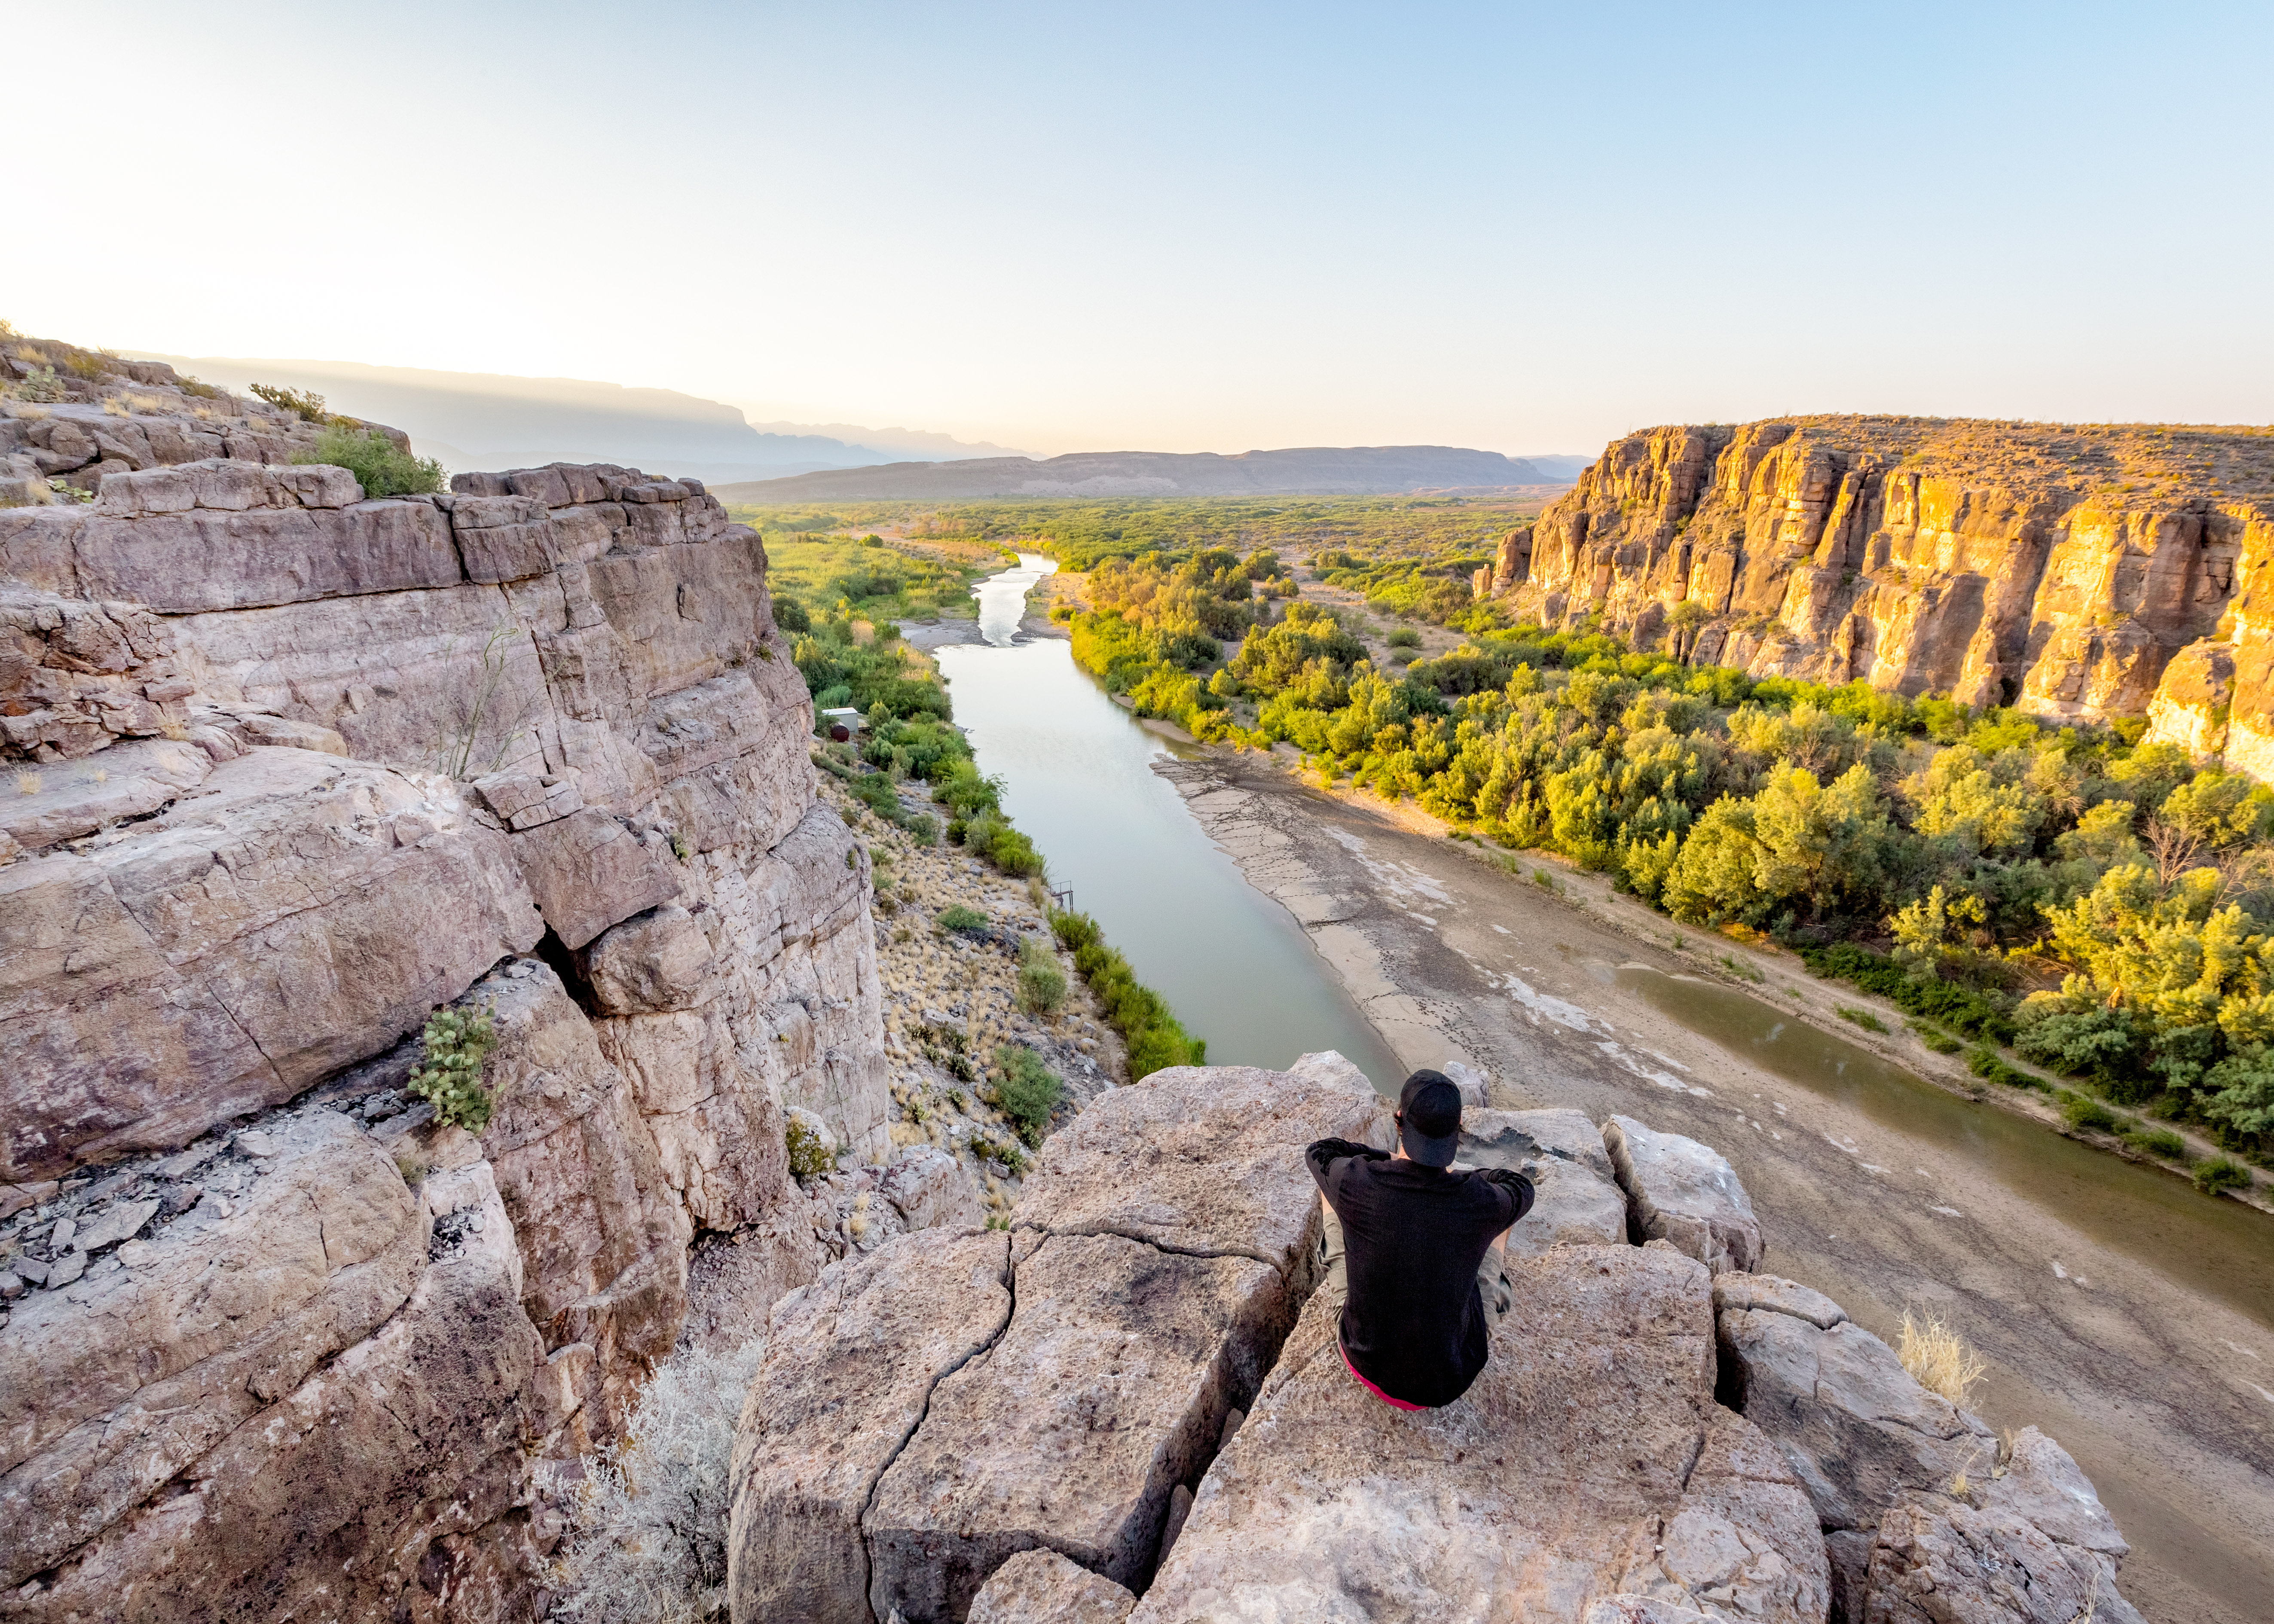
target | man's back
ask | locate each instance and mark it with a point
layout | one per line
(1412, 1325)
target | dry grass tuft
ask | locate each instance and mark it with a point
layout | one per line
(173, 727)
(31, 355)
(27, 782)
(31, 414)
(145, 402)
(117, 407)
(1939, 1359)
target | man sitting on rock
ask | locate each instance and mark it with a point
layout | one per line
(1407, 1243)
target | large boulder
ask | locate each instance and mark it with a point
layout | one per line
(1587, 1462)
(1684, 1193)
(587, 872)
(1578, 1199)
(1945, 1562)
(336, 1373)
(1205, 1160)
(293, 914)
(852, 1362)
(1041, 1587)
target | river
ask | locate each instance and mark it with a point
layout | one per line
(2131, 1317)
(1077, 770)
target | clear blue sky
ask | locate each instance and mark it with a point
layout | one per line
(1179, 227)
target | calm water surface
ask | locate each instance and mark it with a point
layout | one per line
(1078, 770)
(2219, 1248)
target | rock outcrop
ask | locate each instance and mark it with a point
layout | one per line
(2063, 569)
(291, 770)
(1108, 1401)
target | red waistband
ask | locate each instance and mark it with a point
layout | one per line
(1395, 1404)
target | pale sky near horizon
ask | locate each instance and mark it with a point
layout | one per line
(1178, 227)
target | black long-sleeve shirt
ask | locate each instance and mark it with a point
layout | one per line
(1413, 1236)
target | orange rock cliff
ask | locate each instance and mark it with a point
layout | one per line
(2081, 572)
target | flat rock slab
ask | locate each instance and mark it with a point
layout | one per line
(1041, 1587)
(1205, 1160)
(1551, 1485)
(1561, 1152)
(1684, 1193)
(1110, 1388)
(851, 1365)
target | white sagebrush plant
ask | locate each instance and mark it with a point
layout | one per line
(648, 1536)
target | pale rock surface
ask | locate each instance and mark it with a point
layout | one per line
(1578, 1201)
(1205, 1160)
(1331, 1066)
(1587, 1461)
(1109, 1390)
(1685, 1193)
(588, 872)
(852, 1362)
(140, 994)
(1041, 1587)
(929, 1190)
(650, 964)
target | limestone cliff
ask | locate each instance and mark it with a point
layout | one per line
(287, 769)
(2063, 569)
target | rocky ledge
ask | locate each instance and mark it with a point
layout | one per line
(1129, 1407)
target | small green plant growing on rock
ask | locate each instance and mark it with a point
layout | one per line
(380, 466)
(808, 1157)
(458, 1043)
(1042, 984)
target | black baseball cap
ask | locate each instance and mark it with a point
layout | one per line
(1429, 1119)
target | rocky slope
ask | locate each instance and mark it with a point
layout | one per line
(2081, 572)
(1130, 1408)
(287, 769)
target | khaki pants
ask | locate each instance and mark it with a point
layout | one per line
(1492, 1288)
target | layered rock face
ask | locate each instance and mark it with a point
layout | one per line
(287, 771)
(2057, 568)
(1105, 1413)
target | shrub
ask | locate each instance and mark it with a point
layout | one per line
(2161, 1142)
(2214, 1174)
(302, 403)
(648, 1524)
(1027, 1090)
(88, 363)
(1938, 1358)
(956, 916)
(790, 615)
(809, 1153)
(1863, 1019)
(2082, 1111)
(1141, 1016)
(1940, 1042)
(1404, 637)
(1042, 984)
(382, 467)
(41, 384)
(458, 1043)
(1986, 1064)
(1960, 1008)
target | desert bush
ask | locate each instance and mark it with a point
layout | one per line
(458, 1043)
(2214, 1174)
(303, 403)
(380, 466)
(1027, 1090)
(958, 916)
(1861, 1017)
(809, 1155)
(40, 384)
(2082, 1111)
(1940, 1042)
(88, 363)
(1986, 1064)
(1938, 1358)
(790, 615)
(648, 1524)
(1404, 637)
(1042, 984)
(2161, 1142)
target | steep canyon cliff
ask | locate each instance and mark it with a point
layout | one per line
(288, 769)
(2080, 573)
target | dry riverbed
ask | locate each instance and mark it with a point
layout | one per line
(2164, 1392)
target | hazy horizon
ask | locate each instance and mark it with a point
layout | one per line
(1524, 229)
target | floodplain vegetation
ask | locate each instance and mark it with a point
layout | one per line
(2098, 904)
(838, 615)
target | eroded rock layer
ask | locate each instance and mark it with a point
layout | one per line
(290, 769)
(2081, 572)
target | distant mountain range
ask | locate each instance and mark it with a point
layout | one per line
(1355, 471)
(481, 420)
